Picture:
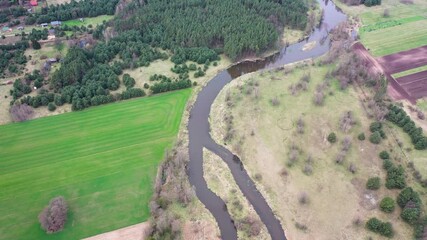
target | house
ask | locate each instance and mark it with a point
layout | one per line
(55, 23)
(34, 3)
(20, 28)
(44, 24)
(52, 60)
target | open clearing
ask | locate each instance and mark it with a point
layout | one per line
(263, 135)
(102, 160)
(94, 21)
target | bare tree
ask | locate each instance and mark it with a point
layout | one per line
(346, 144)
(54, 216)
(21, 112)
(303, 198)
(347, 121)
(319, 98)
(300, 126)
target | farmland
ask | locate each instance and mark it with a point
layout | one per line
(102, 160)
(397, 38)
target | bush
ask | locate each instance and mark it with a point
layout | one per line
(408, 195)
(361, 137)
(384, 155)
(375, 138)
(51, 107)
(410, 215)
(387, 205)
(395, 177)
(382, 228)
(332, 137)
(373, 183)
(21, 112)
(54, 216)
(375, 126)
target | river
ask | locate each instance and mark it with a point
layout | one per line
(199, 129)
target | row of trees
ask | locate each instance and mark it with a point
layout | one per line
(399, 117)
(72, 10)
(213, 24)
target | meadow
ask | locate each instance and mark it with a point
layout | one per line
(94, 21)
(264, 134)
(102, 160)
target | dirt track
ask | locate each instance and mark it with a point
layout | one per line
(405, 60)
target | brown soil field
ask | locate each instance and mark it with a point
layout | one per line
(415, 84)
(405, 60)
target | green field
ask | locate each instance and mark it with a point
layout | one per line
(410, 71)
(102, 160)
(395, 39)
(94, 21)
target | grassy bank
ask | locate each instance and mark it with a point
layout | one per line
(315, 197)
(102, 160)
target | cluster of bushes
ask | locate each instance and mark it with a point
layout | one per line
(11, 61)
(377, 132)
(373, 183)
(23, 86)
(410, 203)
(382, 228)
(395, 175)
(399, 117)
(367, 3)
(183, 70)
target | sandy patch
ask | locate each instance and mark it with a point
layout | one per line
(138, 231)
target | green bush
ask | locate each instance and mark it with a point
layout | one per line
(361, 137)
(373, 183)
(384, 155)
(51, 107)
(410, 215)
(387, 205)
(382, 228)
(408, 195)
(375, 127)
(375, 138)
(332, 137)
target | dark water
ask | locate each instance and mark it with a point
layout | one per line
(199, 129)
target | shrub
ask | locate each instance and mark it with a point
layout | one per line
(375, 126)
(387, 205)
(408, 195)
(395, 177)
(54, 216)
(146, 86)
(375, 138)
(21, 112)
(51, 107)
(384, 155)
(410, 215)
(332, 137)
(382, 228)
(361, 137)
(373, 183)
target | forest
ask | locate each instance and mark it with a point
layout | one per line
(234, 27)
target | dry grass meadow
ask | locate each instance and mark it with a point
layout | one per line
(264, 129)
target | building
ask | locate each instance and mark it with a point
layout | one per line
(56, 23)
(20, 28)
(34, 3)
(44, 24)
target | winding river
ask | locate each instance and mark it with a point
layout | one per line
(199, 129)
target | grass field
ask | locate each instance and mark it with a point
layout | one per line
(102, 160)
(395, 39)
(94, 21)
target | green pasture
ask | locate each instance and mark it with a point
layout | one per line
(93, 21)
(410, 71)
(397, 38)
(102, 160)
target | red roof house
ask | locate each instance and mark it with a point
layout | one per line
(33, 3)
